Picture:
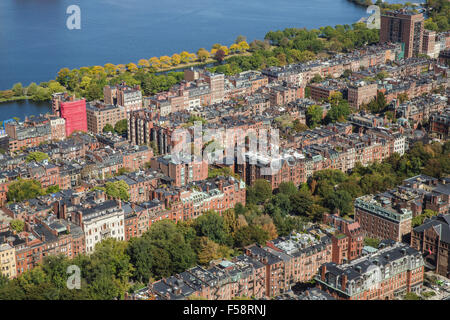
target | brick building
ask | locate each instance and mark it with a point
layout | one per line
(182, 171)
(432, 239)
(379, 219)
(347, 241)
(125, 96)
(361, 93)
(391, 272)
(405, 27)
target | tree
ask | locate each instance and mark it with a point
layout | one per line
(165, 61)
(108, 128)
(259, 192)
(32, 89)
(17, 89)
(208, 250)
(301, 203)
(17, 225)
(288, 188)
(132, 67)
(117, 190)
(161, 252)
(212, 225)
(176, 59)
(52, 189)
(24, 189)
(239, 39)
(184, 56)
(219, 55)
(36, 156)
(202, 54)
(243, 46)
(143, 63)
(313, 116)
(109, 68)
(251, 234)
(233, 48)
(154, 62)
(121, 126)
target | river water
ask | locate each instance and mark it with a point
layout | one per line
(35, 42)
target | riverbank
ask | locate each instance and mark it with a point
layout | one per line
(3, 100)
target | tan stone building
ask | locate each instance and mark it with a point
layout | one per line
(361, 93)
(7, 261)
(99, 114)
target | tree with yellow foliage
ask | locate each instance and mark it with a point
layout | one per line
(109, 68)
(176, 59)
(132, 67)
(243, 46)
(143, 63)
(184, 56)
(154, 62)
(202, 54)
(165, 61)
(121, 68)
(234, 48)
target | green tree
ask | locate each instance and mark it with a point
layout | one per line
(17, 89)
(24, 189)
(32, 89)
(313, 116)
(108, 128)
(52, 189)
(17, 225)
(251, 234)
(212, 225)
(118, 190)
(121, 126)
(162, 251)
(36, 156)
(259, 192)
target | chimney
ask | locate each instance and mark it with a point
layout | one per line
(344, 282)
(323, 272)
(68, 228)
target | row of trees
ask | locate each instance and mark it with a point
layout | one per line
(35, 92)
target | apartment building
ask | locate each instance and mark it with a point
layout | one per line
(361, 93)
(7, 260)
(99, 221)
(394, 270)
(405, 27)
(125, 96)
(379, 219)
(99, 115)
(182, 170)
(432, 239)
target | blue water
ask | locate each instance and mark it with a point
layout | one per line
(35, 42)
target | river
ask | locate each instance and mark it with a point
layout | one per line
(35, 42)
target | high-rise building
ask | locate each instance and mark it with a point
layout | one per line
(405, 27)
